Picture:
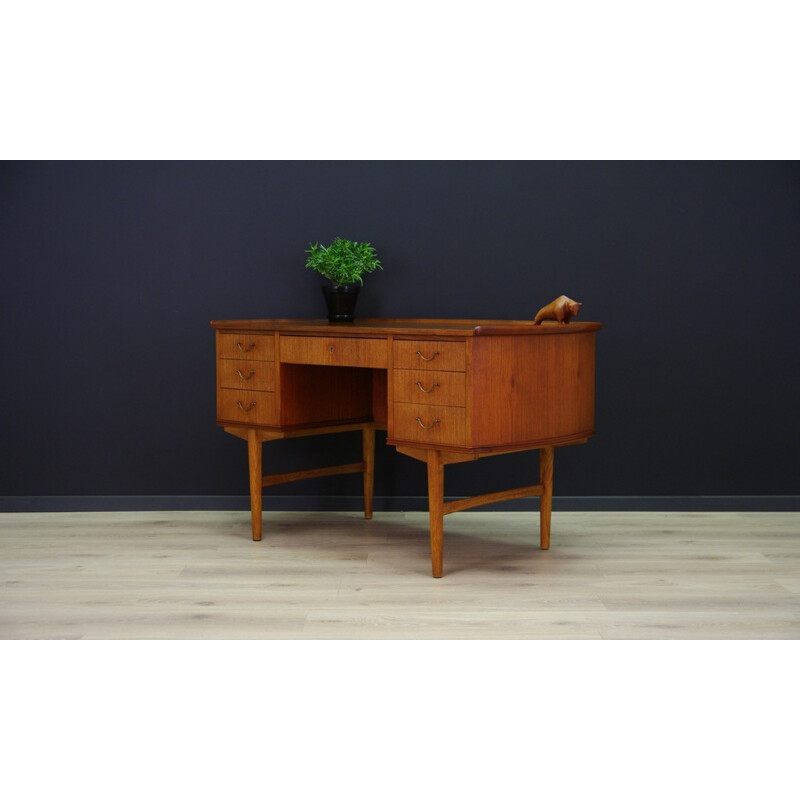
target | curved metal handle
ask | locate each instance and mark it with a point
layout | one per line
(239, 403)
(249, 347)
(435, 353)
(245, 377)
(427, 391)
(427, 427)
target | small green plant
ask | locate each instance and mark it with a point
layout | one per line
(343, 262)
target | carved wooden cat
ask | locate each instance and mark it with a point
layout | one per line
(561, 309)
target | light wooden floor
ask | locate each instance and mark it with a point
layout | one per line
(197, 575)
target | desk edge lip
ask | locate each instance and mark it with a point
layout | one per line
(404, 328)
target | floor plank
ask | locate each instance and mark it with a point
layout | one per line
(197, 575)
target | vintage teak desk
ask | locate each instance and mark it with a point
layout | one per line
(446, 391)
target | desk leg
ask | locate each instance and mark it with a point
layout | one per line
(254, 449)
(368, 451)
(546, 503)
(436, 509)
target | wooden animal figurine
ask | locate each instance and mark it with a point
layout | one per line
(561, 309)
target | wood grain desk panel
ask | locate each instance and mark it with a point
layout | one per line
(446, 390)
(531, 389)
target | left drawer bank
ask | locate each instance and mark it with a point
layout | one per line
(246, 379)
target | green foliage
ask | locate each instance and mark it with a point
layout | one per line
(342, 261)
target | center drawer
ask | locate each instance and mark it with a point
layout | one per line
(334, 351)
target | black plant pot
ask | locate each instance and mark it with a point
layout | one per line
(341, 301)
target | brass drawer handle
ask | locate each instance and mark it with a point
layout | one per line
(435, 353)
(427, 391)
(250, 347)
(245, 377)
(239, 403)
(428, 427)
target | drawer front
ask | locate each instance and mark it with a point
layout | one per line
(248, 346)
(237, 405)
(430, 355)
(253, 375)
(431, 387)
(333, 351)
(415, 422)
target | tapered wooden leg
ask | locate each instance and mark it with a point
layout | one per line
(436, 509)
(256, 477)
(546, 504)
(368, 450)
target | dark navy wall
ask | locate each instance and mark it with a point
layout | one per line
(111, 272)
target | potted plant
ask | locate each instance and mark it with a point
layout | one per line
(343, 263)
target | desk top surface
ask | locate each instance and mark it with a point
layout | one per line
(416, 327)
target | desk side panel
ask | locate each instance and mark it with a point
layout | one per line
(529, 389)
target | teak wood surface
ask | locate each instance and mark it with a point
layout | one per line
(445, 391)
